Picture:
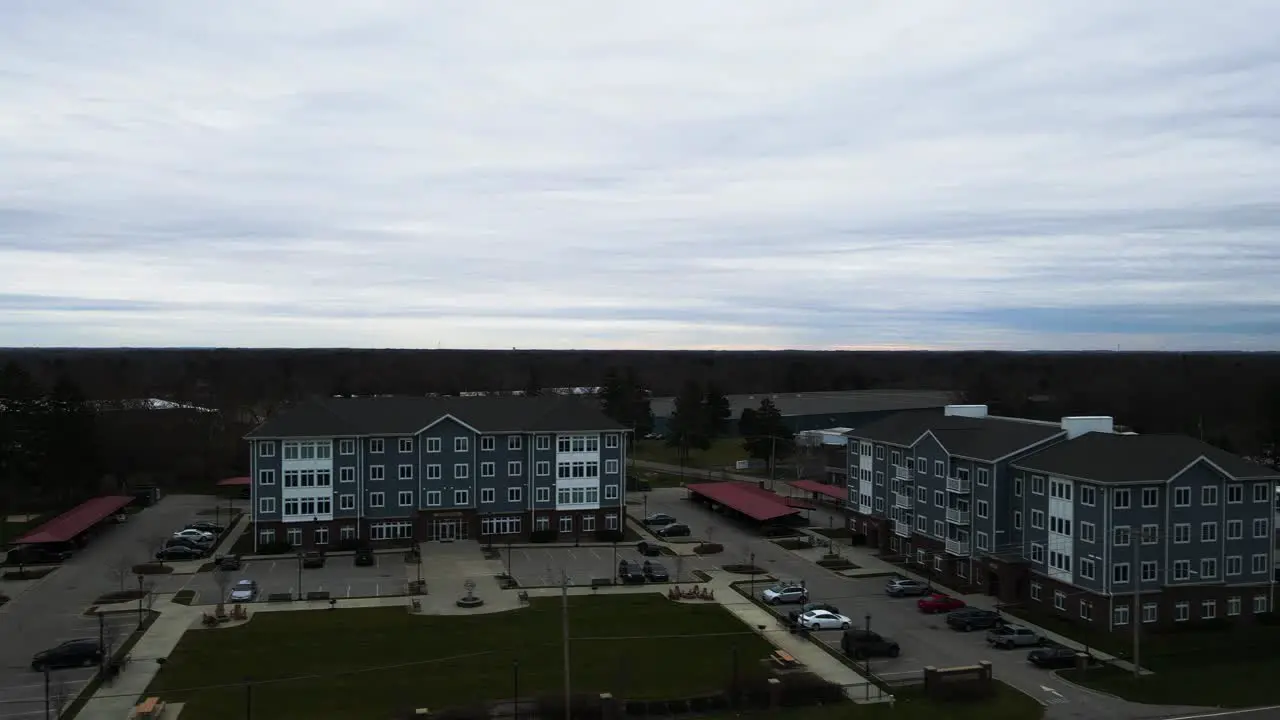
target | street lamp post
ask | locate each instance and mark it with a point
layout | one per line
(299, 575)
(102, 641)
(515, 689)
(645, 497)
(752, 569)
(140, 595)
(615, 553)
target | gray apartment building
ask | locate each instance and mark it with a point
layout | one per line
(377, 469)
(1068, 515)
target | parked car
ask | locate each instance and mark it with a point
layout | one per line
(810, 607)
(35, 555)
(244, 591)
(824, 620)
(648, 549)
(206, 526)
(970, 618)
(630, 572)
(229, 562)
(179, 552)
(939, 603)
(656, 572)
(197, 535)
(859, 643)
(903, 587)
(673, 530)
(84, 652)
(364, 557)
(658, 520)
(187, 543)
(1055, 657)
(313, 559)
(1012, 636)
(784, 594)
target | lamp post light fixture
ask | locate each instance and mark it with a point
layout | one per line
(300, 555)
(141, 594)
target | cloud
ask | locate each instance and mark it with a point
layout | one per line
(1053, 175)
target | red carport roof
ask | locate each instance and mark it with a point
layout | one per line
(749, 500)
(76, 520)
(234, 482)
(814, 486)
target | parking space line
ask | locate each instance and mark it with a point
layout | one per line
(273, 567)
(377, 589)
(348, 591)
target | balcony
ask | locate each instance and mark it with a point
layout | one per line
(902, 472)
(902, 528)
(959, 485)
(902, 500)
(957, 517)
(958, 547)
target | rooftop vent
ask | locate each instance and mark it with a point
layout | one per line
(1081, 424)
(970, 411)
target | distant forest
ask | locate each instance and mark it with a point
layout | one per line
(1230, 399)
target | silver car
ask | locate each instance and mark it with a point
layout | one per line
(1012, 636)
(244, 591)
(902, 587)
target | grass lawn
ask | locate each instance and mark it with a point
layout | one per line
(378, 662)
(1007, 704)
(723, 452)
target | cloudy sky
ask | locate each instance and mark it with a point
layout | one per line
(554, 174)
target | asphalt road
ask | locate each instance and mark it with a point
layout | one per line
(50, 610)
(537, 567)
(340, 577)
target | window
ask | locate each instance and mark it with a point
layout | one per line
(294, 536)
(879, 478)
(1150, 612)
(488, 443)
(291, 506)
(922, 466)
(1037, 552)
(346, 474)
(1182, 533)
(984, 509)
(543, 442)
(1209, 532)
(1235, 565)
(1017, 519)
(266, 505)
(514, 494)
(1235, 495)
(1120, 573)
(1017, 487)
(939, 498)
(433, 445)
(488, 495)
(543, 468)
(543, 494)
(1150, 570)
(433, 472)
(1037, 519)
(922, 523)
(1035, 591)
(895, 458)
(377, 446)
(1233, 603)
(461, 497)
(1208, 568)
(460, 444)
(1037, 484)
(1120, 615)
(515, 468)
(611, 441)
(610, 467)
(1259, 603)
(879, 452)
(348, 532)
(266, 477)
(391, 530)
(377, 472)
(1182, 497)
(433, 498)
(937, 563)
(1181, 569)
(1120, 499)
(939, 528)
(1182, 611)
(940, 468)
(487, 469)
(610, 492)
(1150, 534)
(1209, 495)
(406, 498)
(962, 570)
(1259, 564)
(406, 472)
(1260, 527)
(611, 522)
(1150, 497)
(922, 494)
(1086, 609)
(515, 442)
(266, 449)
(984, 477)
(1059, 600)
(578, 444)
(346, 447)
(461, 471)
(1059, 561)
(1121, 536)
(566, 523)
(500, 525)
(879, 504)
(377, 499)
(1086, 568)
(1088, 532)
(346, 502)
(1060, 489)
(406, 444)
(1260, 492)
(1088, 495)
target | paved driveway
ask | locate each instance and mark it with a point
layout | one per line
(536, 567)
(340, 577)
(50, 610)
(23, 692)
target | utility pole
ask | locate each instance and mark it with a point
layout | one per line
(773, 457)
(564, 633)
(47, 709)
(102, 642)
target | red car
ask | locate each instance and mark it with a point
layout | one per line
(939, 603)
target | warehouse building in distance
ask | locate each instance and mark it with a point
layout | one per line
(819, 410)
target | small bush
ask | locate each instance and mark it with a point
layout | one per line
(836, 563)
(742, 569)
(349, 544)
(184, 597)
(27, 574)
(800, 543)
(542, 536)
(709, 549)
(279, 547)
(121, 596)
(609, 536)
(152, 569)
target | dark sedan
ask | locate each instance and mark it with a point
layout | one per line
(630, 573)
(1055, 658)
(313, 559)
(72, 653)
(648, 549)
(655, 572)
(179, 552)
(966, 619)
(673, 530)
(659, 520)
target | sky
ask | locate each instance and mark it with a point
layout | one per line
(736, 174)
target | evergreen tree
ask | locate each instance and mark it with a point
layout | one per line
(71, 453)
(766, 435)
(533, 383)
(613, 396)
(718, 413)
(687, 427)
(21, 440)
(639, 409)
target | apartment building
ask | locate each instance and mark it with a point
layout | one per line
(436, 468)
(1027, 511)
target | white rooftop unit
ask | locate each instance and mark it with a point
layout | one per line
(970, 411)
(1082, 424)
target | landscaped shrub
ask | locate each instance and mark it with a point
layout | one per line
(278, 547)
(800, 543)
(121, 596)
(709, 549)
(349, 544)
(609, 536)
(743, 569)
(542, 536)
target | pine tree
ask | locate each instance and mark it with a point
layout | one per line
(718, 412)
(766, 435)
(687, 427)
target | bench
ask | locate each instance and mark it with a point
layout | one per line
(318, 595)
(149, 708)
(783, 658)
(523, 596)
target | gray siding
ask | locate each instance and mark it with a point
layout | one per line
(448, 431)
(272, 465)
(502, 456)
(389, 460)
(615, 478)
(928, 450)
(1134, 518)
(350, 487)
(1246, 512)
(1004, 536)
(1032, 502)
(880, 474)
(1096, 550)
(548, 481)
(1195, 479)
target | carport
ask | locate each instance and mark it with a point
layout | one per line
(243, 484)
(749, 501)
(75, 522)
(812, 486)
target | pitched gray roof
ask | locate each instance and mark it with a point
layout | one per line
(395, 415)
(901, 428)
(1108, 458)
(989, 438)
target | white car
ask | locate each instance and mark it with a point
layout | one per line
(197, 535)
(824, 620)
(779, 594)
(244, 591)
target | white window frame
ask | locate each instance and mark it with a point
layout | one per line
(610, 467)
(1258, 563)
(1036, 591)
(267, 477)
(1236, 489)
(346, 474)
(377, 499)
(1150, 534)
(983, 509)
(377, 472)
(461, 471)
(461, 497)
(1181, 611)
(543, 494)
(1155, 495)
(1086, 610)
(1209, 568)
(403, 496)
(1209, 532)
(1260, 492)
(1037, 519)
(266, 448)
(1150, 612)
(1234, 606)
(1261, 528)
(610, 492)
(515, 468)
(1121, 536)
(266, 506)
(488, 469)
(940, 468)
(347, 502)
(433, 498)
(434, 472)
(515, 494)
(1234, 565)
(1117, 495)
(542, 442)
(1260, 604)
(515, 442)
(1087, 569)
(1209, 495)
(940, 498)
(405, 472)
(566, 523)
(404, 445)
(1037, 553)
(542, 468)
(1181, 533)
(1121, 573)
(1120, 615)
(1059, 600)
(1037, 484)
(377, 446)
(461, 444)
(1088, 495)
(488, 495)
(1017, 519)
(610, 441)
(1088, 532)
(1181, 570)
(611, 522)
(1182, 496)
(434, 445)
(488, 443)
(347, 447)
(1017, 487)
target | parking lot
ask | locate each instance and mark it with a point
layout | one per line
(540, 567)
(340, 577)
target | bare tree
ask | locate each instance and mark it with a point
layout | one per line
(110, 636)
(223, 580)
(120, 570)
(150, 594)
(59, 697)
(154, 544)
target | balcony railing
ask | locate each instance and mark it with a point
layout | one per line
(958, 517)
(959, 485)
(902, 500)
(902, 472)
(902, 528)
(958, 547)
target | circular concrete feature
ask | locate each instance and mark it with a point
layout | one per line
(470, 602)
